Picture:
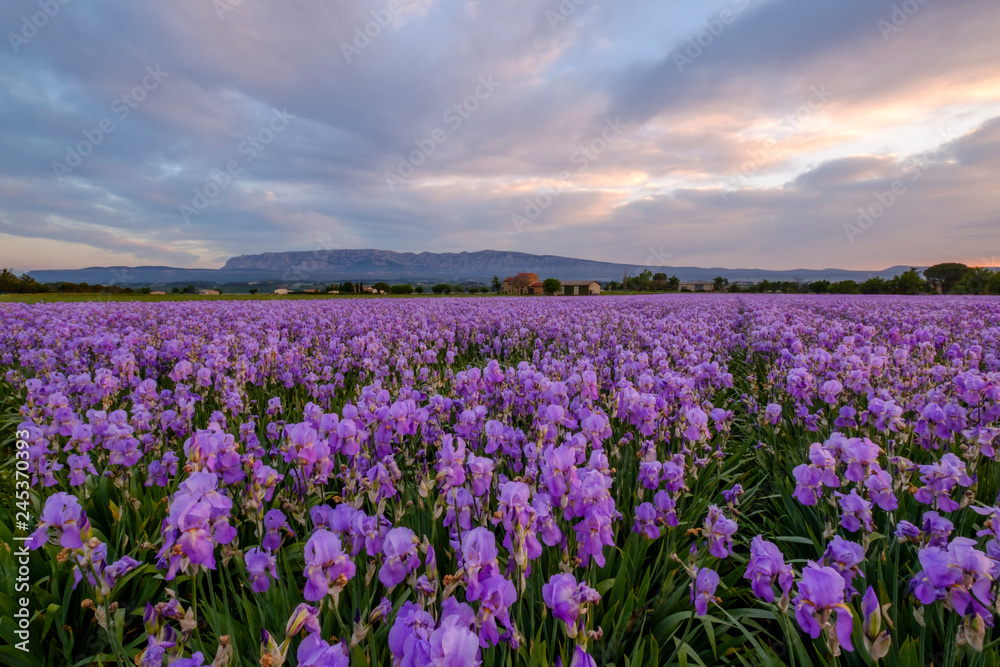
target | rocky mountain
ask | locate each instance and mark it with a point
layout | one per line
(372, 265)
(483, 265)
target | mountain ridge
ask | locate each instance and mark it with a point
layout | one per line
(371, 264)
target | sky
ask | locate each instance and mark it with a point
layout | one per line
(775, 134)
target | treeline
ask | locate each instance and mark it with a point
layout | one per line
(647, 281)
(950, 278)
(406, 288)
(25, 284)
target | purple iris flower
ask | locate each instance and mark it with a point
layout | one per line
(481, 471)
(645, 521)
(718, 531)
(907, 532)
(961, 574)
(845, 558)
(259, 564)
(196, 660)
(773, 413)
(314, 652)
(860, 454)
(821, 592)
(649, 474)
(568, 599)
(479, 560)
(303, 617)
(936, 529)
(451, 462)
(414, 638)
(829, 391)
(112, 573)
(765, 567)
(80, 467)
(666, 508)
(991, 527)
(274, 523)
(939, 479)
(453, 644)
(580, 658)
(879, 484)
(703, 589)
(877, 643)
(63, 513)
(855, 512)
(673, 476)
(498, 594)
(810, 479)
(401, 558)
(328, 568)
(733, 494)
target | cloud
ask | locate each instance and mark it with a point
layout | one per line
(731, 159)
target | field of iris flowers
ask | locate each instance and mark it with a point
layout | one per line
(664, 480)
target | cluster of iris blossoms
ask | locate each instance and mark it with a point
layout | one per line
(444, 467)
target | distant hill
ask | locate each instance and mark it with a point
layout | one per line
(374, 265)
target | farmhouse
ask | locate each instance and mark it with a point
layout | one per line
(281, 291)
(581, 287)
(522, 283)
(208, 292)
(697, 286)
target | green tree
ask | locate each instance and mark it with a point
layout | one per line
(497, 285)
(874, 285)
(419, 289)
(994, 286)
(720, 283)
(975, 281)
(551, 286)
(9, 282)
(908, 282)
(382, 287)
(943, 277)
(253, 290)
(673, 283)
(843, 287)
(644, 280)
(441, 288)
(819, 286)
(401, 289)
